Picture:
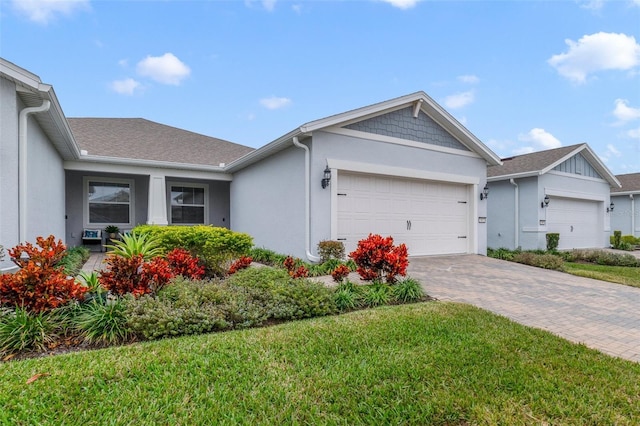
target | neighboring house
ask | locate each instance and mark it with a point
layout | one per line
(403, 167)
(133, 171)
(626, 205)
(35, 140)
(563, 190)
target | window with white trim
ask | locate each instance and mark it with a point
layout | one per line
(108, 201)
(188, 204)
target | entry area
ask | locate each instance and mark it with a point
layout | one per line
(430, 217)
(579, 222)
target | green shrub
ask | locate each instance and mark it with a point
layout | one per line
(630, 240)
(376, 294)
(501, 253)
(552, 241)
(285, 297)
(21, 330)
(347, 296)
(546, 261)
(267, 257)
(617, 236)
(330, 250)
(216, 246)
(132, 245)
(104, 323)
(408, 290)
(73, 260)
(616, 259)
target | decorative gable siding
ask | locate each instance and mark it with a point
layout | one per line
(578, 165)
(401, 124)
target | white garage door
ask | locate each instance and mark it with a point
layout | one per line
(429, 217)
(577, 221)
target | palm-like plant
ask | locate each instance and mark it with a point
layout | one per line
(134, 245)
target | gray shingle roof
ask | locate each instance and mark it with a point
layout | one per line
(140, 139)
(630, 182)
(534, 162)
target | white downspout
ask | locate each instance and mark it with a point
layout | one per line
(633, 216)
(307, 201)
(516, 218)
(22, 166)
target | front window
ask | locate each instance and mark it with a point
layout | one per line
(108, 201)
(188, 204)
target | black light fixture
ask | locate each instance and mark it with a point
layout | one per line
(485, 192)
(545, 203)
(610, 208)
(326, 180)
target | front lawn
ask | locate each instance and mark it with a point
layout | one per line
(427, 363)
(615, 274)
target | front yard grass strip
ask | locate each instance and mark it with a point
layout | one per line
(616, 274)
(426, 363)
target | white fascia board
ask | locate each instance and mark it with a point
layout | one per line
(625, 193)
(145, 167)
(378, 169)
(262, 152)
(512, 176)
(360, 113)
(19, 75)
(61, 122)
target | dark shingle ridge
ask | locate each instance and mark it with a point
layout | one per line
(529, 163)
(142, 139)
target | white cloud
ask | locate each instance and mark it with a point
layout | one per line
(470, 79)
(43, 11)
(624, 113)
(166, 69)
(402, 4)
(275, 102)
(611, 152)
(459, 100)
(125, 87)
(594, 5)
(597, 52)
(537, 139)
(297, 8)
(634, 133)
(123, 63)
(266, 4)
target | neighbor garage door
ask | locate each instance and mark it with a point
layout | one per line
(429, 217)
(577, 222)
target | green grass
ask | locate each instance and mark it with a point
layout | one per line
(427, 363)
(615, 274)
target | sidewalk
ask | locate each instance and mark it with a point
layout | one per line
(95, 262)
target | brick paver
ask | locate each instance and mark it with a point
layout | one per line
(601, 315)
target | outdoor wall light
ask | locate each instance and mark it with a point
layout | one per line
(326, 180)
(610, 208)
(485, 192)
(545, 203)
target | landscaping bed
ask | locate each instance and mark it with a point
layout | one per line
(155, 285)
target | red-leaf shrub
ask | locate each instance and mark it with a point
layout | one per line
(39, 285)
(182, 263)
(241, 263)
(377, 258)
(340, 273)
(294, 270)
(134, 275)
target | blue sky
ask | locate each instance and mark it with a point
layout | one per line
(521, 75)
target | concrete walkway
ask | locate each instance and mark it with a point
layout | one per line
(601, 315)
(95, 262)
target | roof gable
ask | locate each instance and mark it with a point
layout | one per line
(140, 139)
(560, 159)
(403, 124)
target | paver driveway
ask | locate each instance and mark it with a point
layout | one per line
(602, 315)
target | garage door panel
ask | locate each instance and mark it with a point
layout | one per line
(437, 212)
(579, 222)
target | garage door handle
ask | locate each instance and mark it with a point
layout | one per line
(408, 225)
(342, 239)
(463, 236)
